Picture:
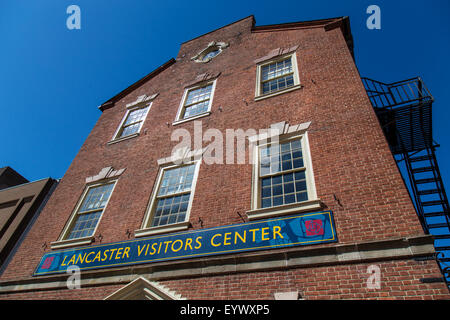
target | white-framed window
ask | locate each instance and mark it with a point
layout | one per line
(84, 220)
(283, 179)
(276, 76)
(171, 200)
(196, 102)
(132, 122)
(282, 174)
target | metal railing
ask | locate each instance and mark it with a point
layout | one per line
(390, 95)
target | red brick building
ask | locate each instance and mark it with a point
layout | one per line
(299, 79)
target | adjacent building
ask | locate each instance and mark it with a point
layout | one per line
(20, 203)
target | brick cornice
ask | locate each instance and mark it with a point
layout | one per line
(276, 53)
(204, 77)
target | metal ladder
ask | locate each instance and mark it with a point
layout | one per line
(404, 111)
(431, 203)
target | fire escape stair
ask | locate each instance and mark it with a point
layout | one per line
(404, 111)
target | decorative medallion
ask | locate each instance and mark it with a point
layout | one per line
(212, 50)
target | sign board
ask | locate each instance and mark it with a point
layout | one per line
(289, 231)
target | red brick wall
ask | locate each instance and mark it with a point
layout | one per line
(350, 156)
(398, 280)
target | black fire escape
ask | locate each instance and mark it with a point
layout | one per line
(404, 111)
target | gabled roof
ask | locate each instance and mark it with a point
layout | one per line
(10, 177)
(328, 24)
(108, 104)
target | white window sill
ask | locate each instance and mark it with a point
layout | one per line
(123, 138)
(269, 95)
(282, 210)
(191, 118)
(162, 229)
(71, 243)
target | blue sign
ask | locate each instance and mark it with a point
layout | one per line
(298, 230)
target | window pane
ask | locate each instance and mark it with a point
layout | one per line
(276, 180)
(266, 192)
(287, 165)
(275, 165)
(283, 189)
(176, 180)
(195, 109)
(300, 175)
(277, 201)
(289, 198)
(266, 182)
(271, 161)
(289, 81)
(266, 203)
(130, 129)
(136, 115)
(298, 163)
(276, 69)
(84, 225)
(288, 188)
(288, 177)
(303, 196)
(170, 210)
(197, 95)
(277, 84)
(277, 190)
(211, 55)
(96, 197)
(286, 156)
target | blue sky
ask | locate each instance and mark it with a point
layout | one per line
(53, 79)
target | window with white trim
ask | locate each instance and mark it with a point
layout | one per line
(173, 196)
(171, 200)
(87, 214)
(132, 122)
(196, 101)
(283, 180)
(277, 75)
(282, 175)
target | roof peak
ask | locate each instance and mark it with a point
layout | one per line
(329, 23)
(269, 27)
